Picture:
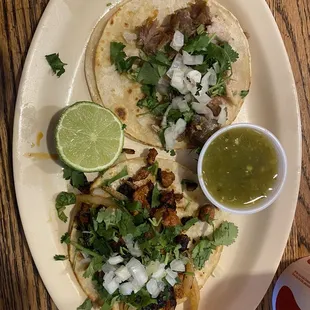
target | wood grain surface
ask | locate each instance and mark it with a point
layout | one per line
(20, 284)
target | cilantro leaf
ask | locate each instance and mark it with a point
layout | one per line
(198, 43)
(155, 197)
(201, 252)
(86, 305)
(110, 216)
(160, 59)
(124, 126)
(153, 168)
(94, 266)
(190, 223)
(60, 257)
(225, 234)
(141, 229)
(126, 225)
(56, 64)
(64, 199)
(77, 178)
(123, 173)
(65, 238)
(244, 93)
(231, 54)
(148, 74)
(118, 57)
(172, 153)
(161, 136)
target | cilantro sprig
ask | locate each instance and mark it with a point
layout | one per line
(225, 234)
(64, 199)
(56, 64)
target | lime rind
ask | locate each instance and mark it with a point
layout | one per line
(89, 137)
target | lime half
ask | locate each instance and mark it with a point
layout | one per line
(89, 137)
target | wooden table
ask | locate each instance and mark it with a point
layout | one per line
(20, 284)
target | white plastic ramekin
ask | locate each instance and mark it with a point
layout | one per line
(282, 170)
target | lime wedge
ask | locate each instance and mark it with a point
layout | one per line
(89, 137)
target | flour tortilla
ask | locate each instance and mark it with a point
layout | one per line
(120, 94)
(196, 199)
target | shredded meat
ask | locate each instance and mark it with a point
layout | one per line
(215, 105)
(167, 199)
(84, 214)
(142, 194)
(201, 129)
(166, 178)
(151, 156)
(152, 36)
(127, 188)
(169, 217)
(141, 174)
(183, 240)
(206, 212)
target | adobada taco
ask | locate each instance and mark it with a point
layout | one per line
(154, 244)
(173, 71)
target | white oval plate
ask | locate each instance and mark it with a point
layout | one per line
(246, 268)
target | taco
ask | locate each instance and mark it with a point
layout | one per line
(146, 238)
(173, 71)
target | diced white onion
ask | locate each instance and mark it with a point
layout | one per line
(188, 98)
(161, 285)
(137, 270)
(171, 281)
(192, 60)
(212, 77)
(171, 273)
(109, 276)
(118, 280)
(177, 64)
(177, 41)
(216, 67)
(152, 267)
(135, 251)
(126, 289)
(205, 82)
(191, 80)
(152, 288)
(164, 120)
(177, 265)
(173, 132)
(223, 115)
(136, 286)
(123, 273)
(163, 86)
(114, 260)
(111, 286)
(202, 97)
(180, 103)
(177, 81)
(130, 37)
(106, 268)
(160, 273)
(202, 108)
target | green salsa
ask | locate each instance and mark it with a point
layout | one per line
(240, 167)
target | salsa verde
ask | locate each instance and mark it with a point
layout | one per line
(240, 167)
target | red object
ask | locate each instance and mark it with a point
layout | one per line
(286, 300)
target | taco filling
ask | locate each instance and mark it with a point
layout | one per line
(183, 69)
(151, 242)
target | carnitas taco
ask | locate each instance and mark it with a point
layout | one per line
(173, 71)
(146, 238)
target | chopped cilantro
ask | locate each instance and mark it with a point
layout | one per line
(86, 305)
(201, 29)
(56, 64)
(244, 93)
(64, 199)
(225, 234)
(161, 136)
(148, 74)
(199, 43)
(124, 126)
(155, 197)
(77, 178)
(60, 257)
(118, 57)
(65, 238)
(153, 168)
(172, 153)
(94, 266)
(202, 251)
(110, 216)
(109, 4)
(120, 175)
